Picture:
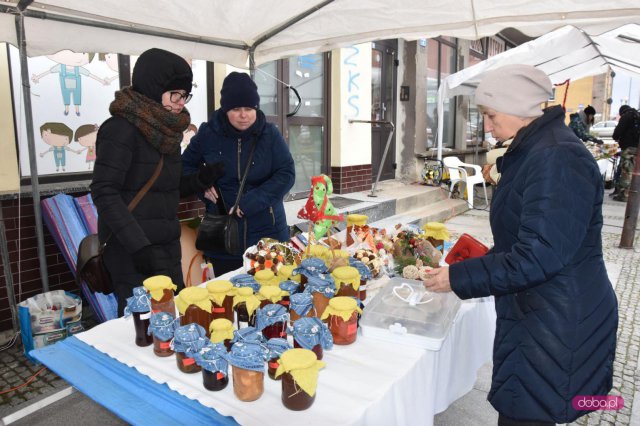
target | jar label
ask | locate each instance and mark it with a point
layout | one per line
(352, 328)
(363, 287)
(273, 364)
(218, 310)
(188, 361)
(155, 311)
(284, 302)
(283, 334)
(145, 316)
(219, 375)
(165, 345)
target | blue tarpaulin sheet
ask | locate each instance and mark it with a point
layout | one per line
(135, 398)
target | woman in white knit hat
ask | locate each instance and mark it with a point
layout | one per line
(556, 309)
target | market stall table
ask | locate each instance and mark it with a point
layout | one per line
(367, 383)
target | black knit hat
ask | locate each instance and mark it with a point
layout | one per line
(589, 110)
(238, 90)
(158, 71)
(623, 109)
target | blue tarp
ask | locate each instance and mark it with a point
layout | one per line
(135, 398)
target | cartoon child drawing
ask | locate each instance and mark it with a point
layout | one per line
(111, 59)
(86, 136)
(70, 69)
(187, 135)
(58, 135)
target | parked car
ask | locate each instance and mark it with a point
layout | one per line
(603, 129)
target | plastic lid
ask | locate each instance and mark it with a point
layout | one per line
(219, 286)
(357, 219)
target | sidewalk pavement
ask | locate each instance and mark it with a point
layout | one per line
(623, 267)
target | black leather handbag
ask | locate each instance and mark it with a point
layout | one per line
(220, 232)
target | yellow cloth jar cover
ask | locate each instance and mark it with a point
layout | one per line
(157, 284)
(221, 329)
(346, 275)
(342, 306)
(193, 296)
(245, 294)
(436, 230)
(219, 289)
(303, 365)
(266, 277)
(316, 250)
(284, 273)
(272, 293)
(357, 219)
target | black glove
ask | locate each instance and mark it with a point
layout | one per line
(151, 260)
(208, 174)
(598, 141)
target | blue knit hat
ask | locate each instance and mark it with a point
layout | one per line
(238, 90)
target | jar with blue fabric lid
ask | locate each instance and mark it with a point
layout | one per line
(247, 335)
(365, 276)
(322, 289)
(272, 321)
(245, 280)
(288, 287)
(312, 334)
(247, 364)
(187, 341)
(139, 306)
(215, 367)
(310, 267)
(275, 347)
(162, 327)
(301, 306)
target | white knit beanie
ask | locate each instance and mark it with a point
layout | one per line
(514, 89)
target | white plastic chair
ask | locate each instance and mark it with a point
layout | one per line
(458, 173)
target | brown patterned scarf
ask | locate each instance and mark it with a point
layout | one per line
(161, 128)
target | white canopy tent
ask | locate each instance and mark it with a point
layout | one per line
(564, 54)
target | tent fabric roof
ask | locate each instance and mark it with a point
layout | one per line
(265, 26)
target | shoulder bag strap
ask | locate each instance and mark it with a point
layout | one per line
(244, 177)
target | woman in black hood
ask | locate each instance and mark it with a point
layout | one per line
(146, 124)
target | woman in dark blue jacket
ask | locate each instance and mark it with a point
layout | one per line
(227, 138)
(556, 309)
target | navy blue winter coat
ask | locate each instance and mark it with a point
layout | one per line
(271, 175)
(556, 309)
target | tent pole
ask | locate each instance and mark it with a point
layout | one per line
(26, 93)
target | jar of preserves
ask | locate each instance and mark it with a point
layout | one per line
(247, 362)
(321, 290)
(187, 342)
(275, 348)
(285, 273)
(288, 288)
(310, 267)
(342, 314)
(221, 331)
(301, 306)
(215, 368)
(266, 277)
(347, 280)
(365, 276)
(272, 321)
(247, 335)
(354, 221)
(161, 289)
(270, 294)
(221, 294)
(299, 369)
(195, 307)
(245, 304)
(245, 280)
(312, 334)
(162, 327)
(139, 307)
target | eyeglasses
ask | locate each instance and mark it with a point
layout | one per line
(177, 96)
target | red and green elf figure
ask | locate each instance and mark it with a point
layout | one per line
(318, 208)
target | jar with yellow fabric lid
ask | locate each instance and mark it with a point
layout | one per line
(221, 331)
(436, 233)
(195, 307)
(354, 220)
(286, 273)
(161, 288)
(266, 277)
(299, 370)
(221, 294)
(245, 303)
(342, 314)
(270, 294)
(347, 280)
(317, 250)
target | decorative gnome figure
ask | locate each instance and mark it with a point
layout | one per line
(318, 208)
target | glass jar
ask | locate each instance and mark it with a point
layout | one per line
(312, 334)
(322, 290)
(161, 288)
(221, 331)
(266, 277)
(347, 280)
(221, 294)
(269, 294)
(316, 349)
(214, 380)
(187, 364)
(141, 324)
(342, 315)
(275, 348)
(214, 365)
(139, 306)
(272, 367)
(301, 306)
(299, 370)
(247, 362)
(162, 327)
(311, 267)
(187, 342)
(245, 304)
(162, 348)
(272, 321)
(195, 307)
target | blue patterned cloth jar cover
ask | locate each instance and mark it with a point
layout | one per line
(163, 326)
(276, 347)
(213, 357)
(139, 302)
(301, 303)
(365, 272)
(309, 332)
(325, 286)
(271, 314)
(248, 335)
(249, 356)
(189, 339)
(245, 280)
(311, 267)
(290, 287)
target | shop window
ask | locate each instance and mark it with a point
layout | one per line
(442, 61)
